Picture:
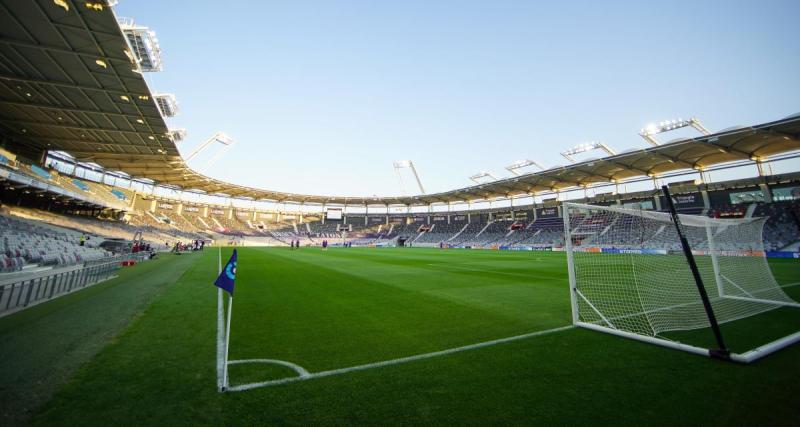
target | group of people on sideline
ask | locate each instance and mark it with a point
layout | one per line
(295, 244)
(140, 247)
(195, 245)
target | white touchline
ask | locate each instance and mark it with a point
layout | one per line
(380, 364)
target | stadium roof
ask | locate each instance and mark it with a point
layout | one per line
(68, 82)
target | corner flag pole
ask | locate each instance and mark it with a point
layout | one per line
(225, 282)
(721, 352)
(227, 344)
(220, 326)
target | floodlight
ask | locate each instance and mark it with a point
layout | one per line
(523, 164)
(401, 164)
(587, 146)
(648, 132)
(143, 43)
(177, 135)
(482, 174)
(166, 103)
(220, 138)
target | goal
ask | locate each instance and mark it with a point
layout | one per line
(630, 276)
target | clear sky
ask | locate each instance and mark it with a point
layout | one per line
(322, 96)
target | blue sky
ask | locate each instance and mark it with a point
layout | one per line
(322, 96)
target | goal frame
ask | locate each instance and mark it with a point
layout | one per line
(746, 357)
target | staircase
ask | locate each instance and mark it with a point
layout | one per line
(484, 228)
(204, 223)
(459, 232)
(155, 218)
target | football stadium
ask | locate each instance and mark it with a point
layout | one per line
(656, 284)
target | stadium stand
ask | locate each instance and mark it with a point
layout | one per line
(543, 233)
(159, 227)
(26, 242)
(288, 232)
(441, 232)
(783, 224)
(234, 226)
(489, 235)
(470, 232)
(328, 230)
(516, 230)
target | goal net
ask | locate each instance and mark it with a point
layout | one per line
(629, 276)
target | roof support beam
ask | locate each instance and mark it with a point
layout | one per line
(673, 159)
(73, 109)
(74, 28)
(57, 49)
(91, 142)
(135, 159)
(31, 80)
(731, 150)
(624, 166)
(68, 126)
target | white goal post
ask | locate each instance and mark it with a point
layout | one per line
(629, 277)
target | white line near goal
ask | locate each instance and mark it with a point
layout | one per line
(305, 375)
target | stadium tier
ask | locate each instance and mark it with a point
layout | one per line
(83, 204)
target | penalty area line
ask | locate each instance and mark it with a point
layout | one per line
(397, 361)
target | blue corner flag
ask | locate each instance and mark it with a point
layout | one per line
(228, 275)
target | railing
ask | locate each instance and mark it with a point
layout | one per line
(29, 291)
(139, 256)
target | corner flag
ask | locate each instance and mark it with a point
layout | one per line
(227, 275)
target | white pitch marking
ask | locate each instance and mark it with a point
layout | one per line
(297, 368)
(789, 285)
(397, 361)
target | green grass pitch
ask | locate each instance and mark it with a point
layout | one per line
(347, 307)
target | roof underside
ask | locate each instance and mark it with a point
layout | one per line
(67, 84)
